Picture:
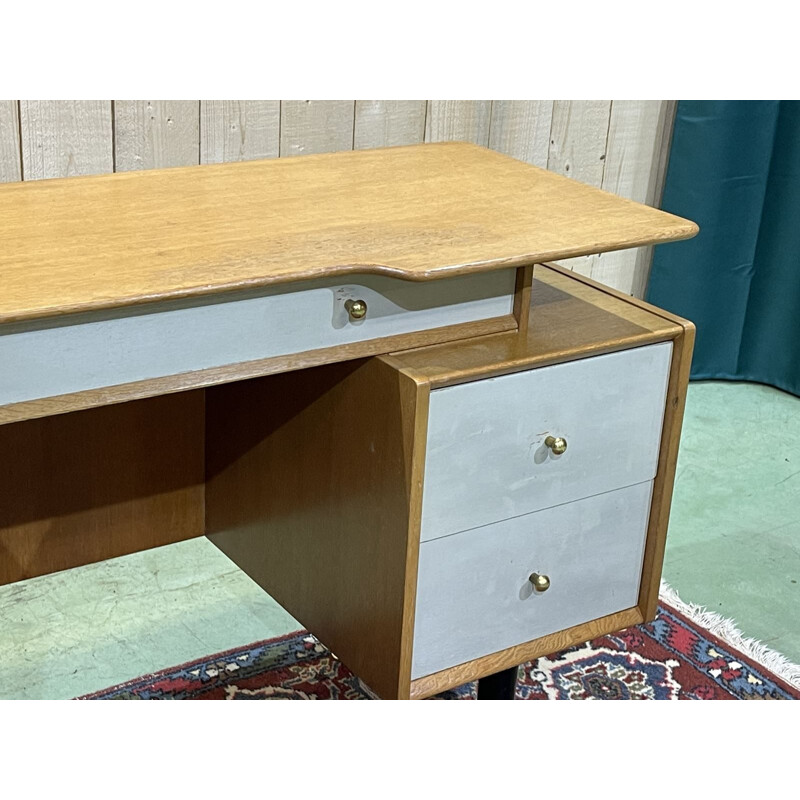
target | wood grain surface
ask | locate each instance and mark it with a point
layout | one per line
(10, 156)
(318, 501)
(513, 656)
(571, 317)
(665, 477)
(578, 144)
(97, 484)
(80, 488)
(153, 134)
(316, 126)
(578, 137)
(521, 129)
(389, 123)
(419, 212)
(458, 120)
(239, 130)
(65, 138)
(633, 156)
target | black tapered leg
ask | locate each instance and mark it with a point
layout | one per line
(500, 686)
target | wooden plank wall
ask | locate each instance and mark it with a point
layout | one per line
(620, 146)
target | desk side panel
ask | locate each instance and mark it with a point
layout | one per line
(313, 489)
(83, 487)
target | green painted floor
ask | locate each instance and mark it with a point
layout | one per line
(734, 546)
(734, 533)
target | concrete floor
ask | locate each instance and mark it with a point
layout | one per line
(734, 546)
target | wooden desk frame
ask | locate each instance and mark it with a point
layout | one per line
(108, 471)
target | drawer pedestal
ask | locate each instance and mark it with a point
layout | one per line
(402, 507)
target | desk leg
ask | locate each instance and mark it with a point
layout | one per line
(500, 686)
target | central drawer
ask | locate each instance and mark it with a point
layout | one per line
(475, 596)
(488, 457)
(59, 356)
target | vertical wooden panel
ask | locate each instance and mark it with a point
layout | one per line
(324, 516)
(634, 143)
(387, 123)
(521, 128)
(644, 255)
(239, 130)
(461, 120)
(10, 157)
(578, 138)
(150, 134)
(83, 487)
(632, 136)
(62, 138)
(316, 126)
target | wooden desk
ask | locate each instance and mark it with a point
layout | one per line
(140, 315)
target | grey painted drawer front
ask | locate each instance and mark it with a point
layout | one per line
(73, 354)
(473, 593)
(486, 458)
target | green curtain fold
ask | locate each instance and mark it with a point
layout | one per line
(735, 170)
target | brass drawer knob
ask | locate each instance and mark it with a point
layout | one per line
(556, 444)
(357, 309)
(541, 583)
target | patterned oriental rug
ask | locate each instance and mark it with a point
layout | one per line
(687, 653)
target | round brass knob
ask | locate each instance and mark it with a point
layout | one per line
(356, 308)
(541, 583)
(556, 444)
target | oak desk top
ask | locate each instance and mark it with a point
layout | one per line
(417, 213)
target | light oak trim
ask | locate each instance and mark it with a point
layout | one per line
(615, 293)
(665, 476)
(418, 213)
(415, 395)
(522, 299)
(522, 653)
(568, 320)
(600, 296)
(122, 393)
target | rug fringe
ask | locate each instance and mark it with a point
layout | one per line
(726, 630)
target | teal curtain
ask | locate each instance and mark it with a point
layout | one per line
(734, 169)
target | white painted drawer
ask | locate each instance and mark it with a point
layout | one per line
(474, 596)
(90, 351)
(486, 456)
